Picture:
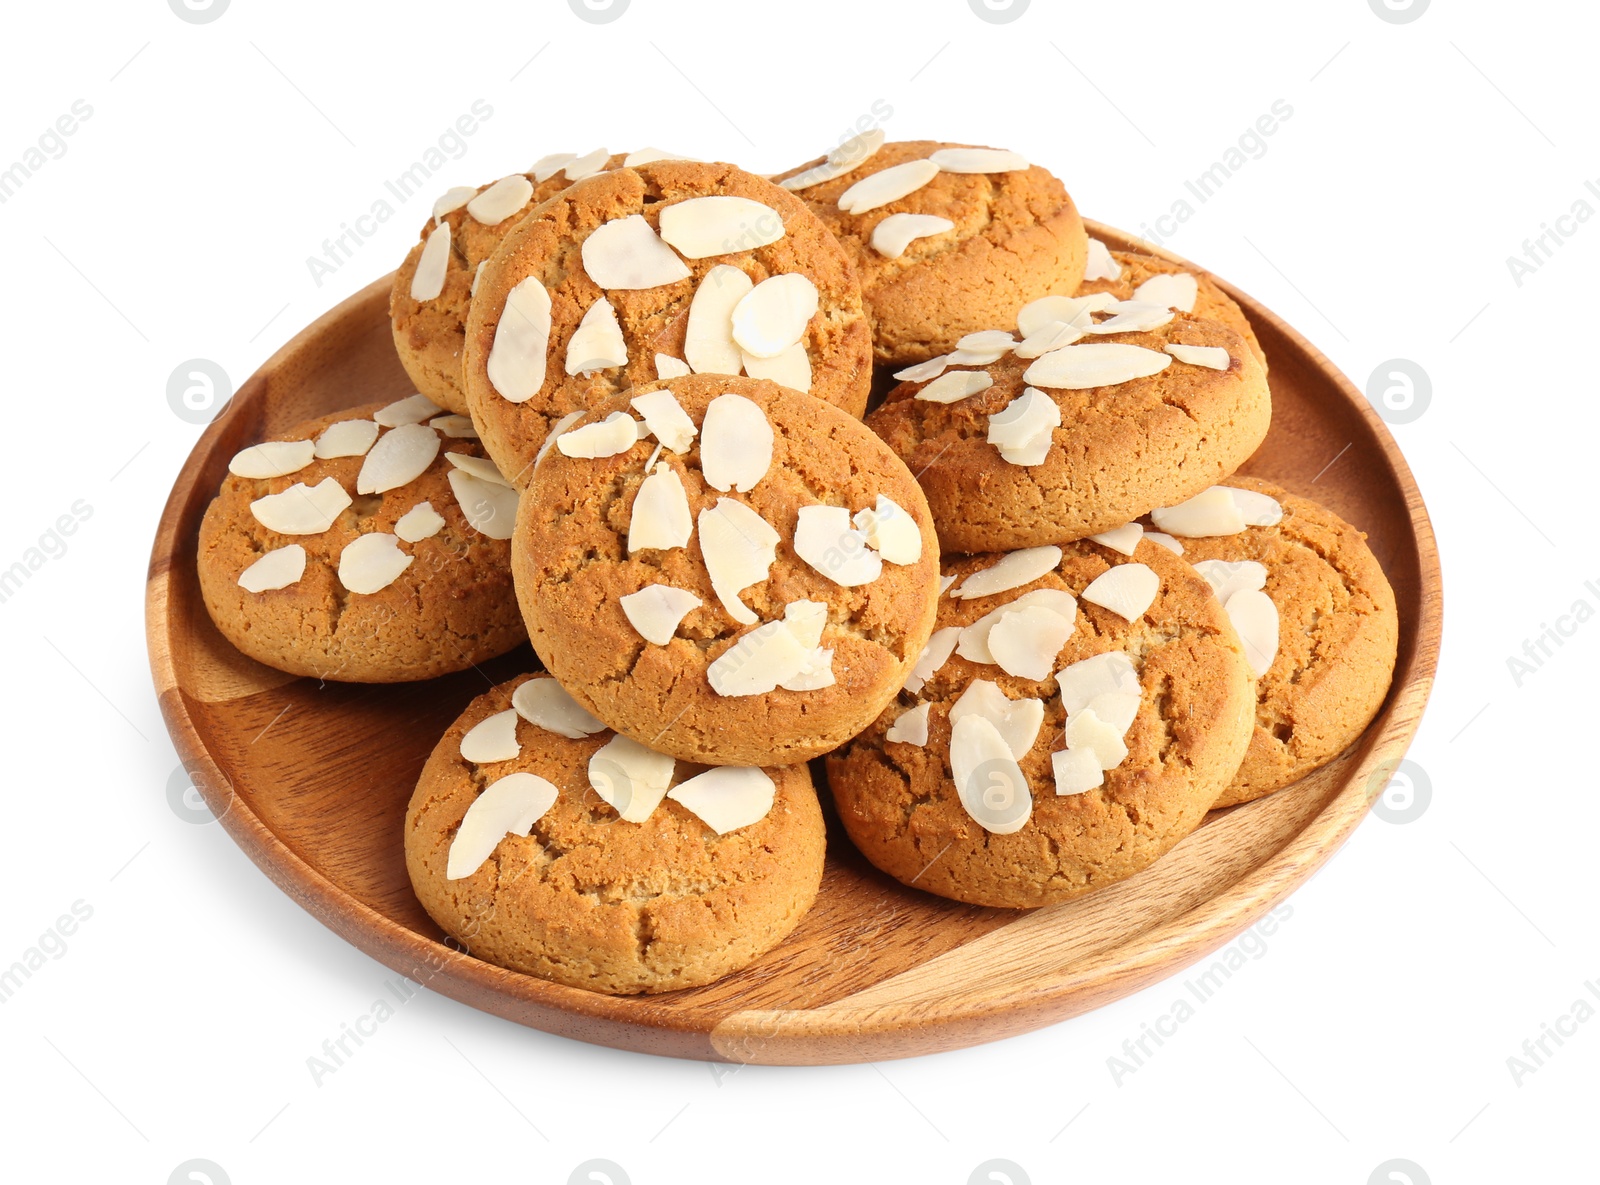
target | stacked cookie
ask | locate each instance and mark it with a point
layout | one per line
(1024, 611)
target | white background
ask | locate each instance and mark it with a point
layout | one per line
(177, 224)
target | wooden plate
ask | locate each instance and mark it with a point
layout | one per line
(312, 781)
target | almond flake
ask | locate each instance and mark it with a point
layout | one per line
(1124, 539)
(891, 531)
(701, 227)
(302, 509)
(661, 518)
(987, 340)
(1076, 771)
(774, 314)
(1161, 539)
(665, 417)
(630, 778)
(1012, 571)
(846, 158)
(347, 438)
(597, 342)
(791, 369)
(370, 563)
(480, 467)
(1212, 357)
(617, 433)
(910, 728)
(727, 798)
(411, 410)
(989, 782)
(1228, 577)
(278, 568)
(735, 444)
(945, 582)
(586, 165)
(554, 434)
(547, 167)
(1255, 618)
(1024, 429)
(739, 547)
(501, 200)
(546, 703)
(806, 621)
(1038, 314)
(1100, 364)
(934, 655)
(401, 455)
(887, 185)
(626, 253)
(1025, 642)
(1259, 510)
(824, 538)
(428, 280)
(955, 385)
(521, 340)
(649, 156)
(1132, 317)
(1018, 721)
(1100, 265)
(272, 458)
(923, 371)
(477, 275)
(1081, 683)
(489, 507)
(1128, 590)
(974, 357)
(1117, 708)
(493, 738)
(1052, 337)
(510, 806)
(1208, 514)
(1086, 732)
(1170, 290)
(708, 337)
(759, 661)
(974, 643)
(814, 675)
(421, 522)
(668, 367)
(657, 610)
(452, 200)
(894, 234)
(979, 160)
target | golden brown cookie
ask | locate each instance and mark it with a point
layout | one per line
(571, 891)
(1086, 748)
(1078, 439)
(987, 242)
(636, 274)
(380, 561)
(1331, 655)
(756, 599)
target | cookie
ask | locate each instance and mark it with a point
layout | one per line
(650, 272)
(1019, 446)
(947, 239)
(354, 548)
(582, 858)
(1324, 641)
(1048, 745)
(749, 584)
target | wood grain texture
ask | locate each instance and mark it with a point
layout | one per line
(312, 779)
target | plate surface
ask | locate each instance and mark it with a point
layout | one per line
(312, 781)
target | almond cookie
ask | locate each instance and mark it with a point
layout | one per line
(545, 843)
(1075, 714)
(947, 239)
(1080, 426)
(366, 546)
(1316, 615)
(726, 570)
(651, 272)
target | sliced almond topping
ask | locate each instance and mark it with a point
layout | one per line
(739, 547)
(452, 200)
(1170, 290)
(272, 458)
(372, 562)
(923, 371)
(480, 467)
(1117, 708)
(546, 703)
(974, 644)
(1132, 317)
(1128, 590)
(1101, 266)
(806, 621)
(1025, 642)
(815, 674)
(955, 385)
(665, 417)
(554, 434)
(1083, 682)
(1161, 539)
(1076, 771)
(979, 160)
(278, 568)
(974, 357)
(630, 778)
(1037, 315)
(586, 165)
(411, 410)
(668, 367)
(735, 444)
(1099, 364)
(455, 427)
(1018, 720)
(501, 200)
(708, 337)
(547, 167)
(774, 314)
(1212, 357)
(945, 582)
(421, 522)
(1259, 510)
(626, 253)
(1086, 732)
(1210, 513)
(428, 280)
(910, 728)
(489, 507)
(759, 661)
(649, 156)
(848, 156)
(510, 806)
(401, 455)
(657, 610)
(1124, 539)
(894, 234)
(728, 797)
(987, 340)
(492, 739)
(1255, 618)
(1052, 337)
(701, 227)
(477, 275)
(887, 185)
(521, 340)
(1227, 577)
(1012, 571)
(347, 438)
(302, 509)
(597, 342)
(934, 655)
(617, 433)
(791, 369)
(891, 531)
(989, 782)
(825, 539)
(1023, 429)
(661, 518)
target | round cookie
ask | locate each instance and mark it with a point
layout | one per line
(1118, 450)
(1014, 235)
(592, 900)
(1336, 640)
(931, 804)
(743, 677)
(790, 295)
(433, 595)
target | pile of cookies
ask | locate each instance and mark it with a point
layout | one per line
(1022, 616)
